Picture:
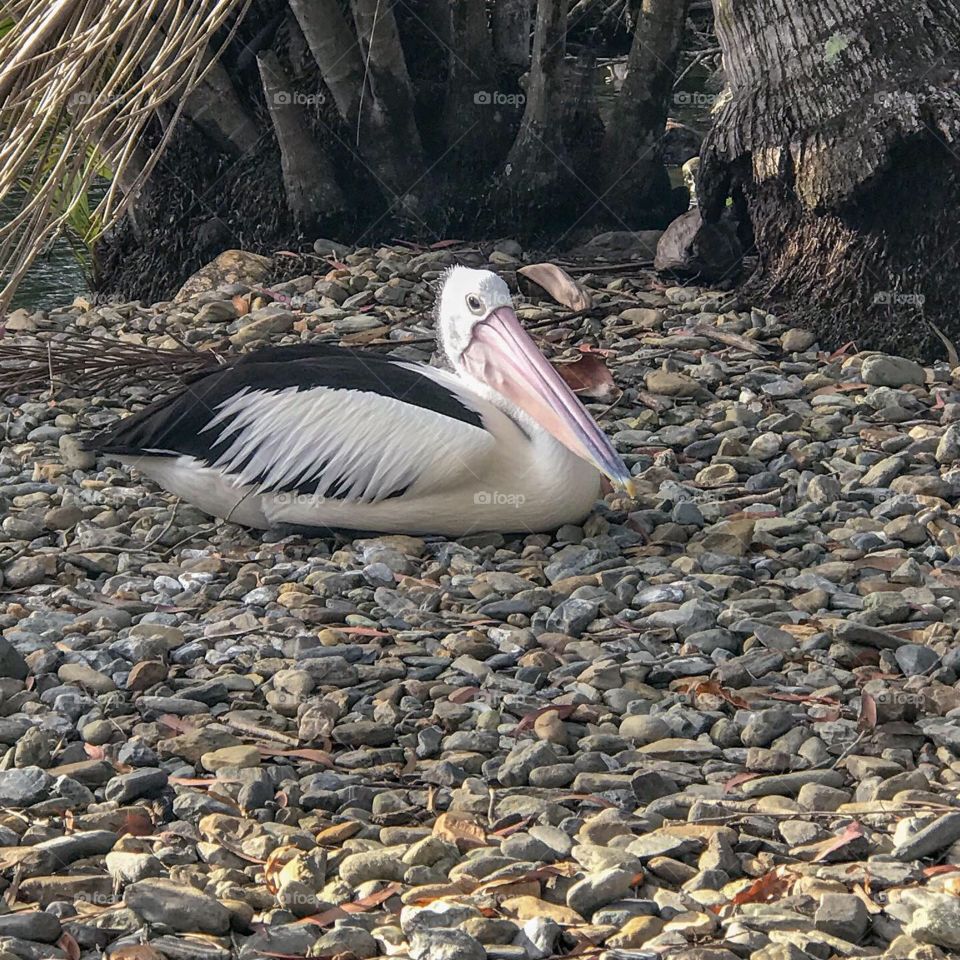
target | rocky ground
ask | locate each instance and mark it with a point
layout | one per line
(717, 722)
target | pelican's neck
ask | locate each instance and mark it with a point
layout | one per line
(483, 390)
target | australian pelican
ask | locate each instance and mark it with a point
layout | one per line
(318, 436)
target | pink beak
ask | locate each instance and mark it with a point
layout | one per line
(503, 356)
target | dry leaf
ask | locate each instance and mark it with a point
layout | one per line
(137, 823)
(739, 778)
(853, 831)
(538, 873)
(463, 695)
(69, 946)
(771, 886)
(364, 336)
(941, 868)
(559, 284)
(135, 951)
(563, 710)
(588, 376)
(465, 833)
(277, 860)
(730, 339)
(357, 906)
(868, 713)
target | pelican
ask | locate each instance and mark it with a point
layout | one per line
(317, 436)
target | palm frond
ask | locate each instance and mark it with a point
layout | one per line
(93, 364)
(80, 80)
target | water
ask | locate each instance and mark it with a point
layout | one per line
(57, 276)
(53, 280)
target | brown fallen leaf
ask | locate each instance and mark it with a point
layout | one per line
(588, 376)
(463, 695)
(563, 710)
(730, 339)
(460, 830)
(853, 831)
(177, 724)
(364, 336)
(868, 713)
(739, 778)
(356, 906)
(712, 687)
(135, 951)
(559, 284)
(941, 868)
(538, 873)
(69, 946)
(771, 886)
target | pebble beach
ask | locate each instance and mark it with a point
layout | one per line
(720, 721)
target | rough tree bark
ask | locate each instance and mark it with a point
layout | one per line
(838, 143)
(538, 169)
(634, 179)
(309, 179)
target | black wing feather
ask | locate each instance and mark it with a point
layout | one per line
(176, 423)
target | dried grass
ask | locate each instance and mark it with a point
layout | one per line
(80, 80)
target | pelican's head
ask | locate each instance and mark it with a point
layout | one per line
(484, 341)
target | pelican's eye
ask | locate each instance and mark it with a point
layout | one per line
(474, 303)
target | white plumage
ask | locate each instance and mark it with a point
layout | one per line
(328, 438)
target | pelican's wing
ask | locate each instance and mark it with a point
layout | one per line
(330, 423)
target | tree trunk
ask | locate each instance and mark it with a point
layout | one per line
(837, 146)
(387, 108)
(308, 176)
(512, 20)
(469, 114)
(335, 51)
(633, 176)
(538, 169)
